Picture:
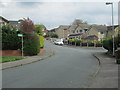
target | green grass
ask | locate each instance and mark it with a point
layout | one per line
(9, 59)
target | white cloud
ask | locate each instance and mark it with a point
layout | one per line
(59, 0)
(53, 14)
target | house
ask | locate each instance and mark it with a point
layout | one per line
(14, 24)
(117, 31)
(45, 32)
(52, 31)
(109, 32)
(94, 31)
(62, 31)
(76, 31)
(3, 21)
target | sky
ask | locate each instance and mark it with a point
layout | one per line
(53, 13)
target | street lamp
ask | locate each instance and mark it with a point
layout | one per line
(111, 3)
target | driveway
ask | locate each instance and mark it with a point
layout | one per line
(68, 68)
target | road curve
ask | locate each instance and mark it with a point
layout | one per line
(68, 68)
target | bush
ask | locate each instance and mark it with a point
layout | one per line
(77, 40)
(10, 40)
(41, 38)
(54, 35)
(108, 44)
(31, 44)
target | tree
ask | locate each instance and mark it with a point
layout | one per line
(39, 29)
(78, 21)
(27, 25)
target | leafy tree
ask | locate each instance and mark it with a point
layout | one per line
(39, 29)
(78, 21)
(27, 25)
(31, 39)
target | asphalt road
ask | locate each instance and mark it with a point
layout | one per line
(68, 68)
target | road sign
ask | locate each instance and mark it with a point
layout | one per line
(20, 35)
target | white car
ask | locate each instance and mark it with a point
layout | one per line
(58, 42)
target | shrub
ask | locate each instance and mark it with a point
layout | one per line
(53, 35)
(77, 40)
(27, 26)
(41, 38)
(31, 44)
(39, 29)
(108, 44)
(10, 40)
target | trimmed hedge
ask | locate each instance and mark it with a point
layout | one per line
(31, 44)
(10, 40)
(41, 38)
(108, 44)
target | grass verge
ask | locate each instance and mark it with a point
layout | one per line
(9, 59)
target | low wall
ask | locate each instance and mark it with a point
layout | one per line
(10, 53)
(14, 52)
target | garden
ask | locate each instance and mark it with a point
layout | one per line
(33, 41)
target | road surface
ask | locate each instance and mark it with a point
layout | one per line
(68, 68)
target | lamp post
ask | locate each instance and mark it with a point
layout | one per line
(111, 3)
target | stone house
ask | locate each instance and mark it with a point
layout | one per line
(97, 31)
(78, 30)
(109, 32)
(62, 31)
(3, 21)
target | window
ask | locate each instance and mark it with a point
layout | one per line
(80, 30)
(102, 32)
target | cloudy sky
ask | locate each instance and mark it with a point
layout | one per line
(59, 12)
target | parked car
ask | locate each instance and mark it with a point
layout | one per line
(58, 42)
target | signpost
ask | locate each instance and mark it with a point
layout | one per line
(21, 35)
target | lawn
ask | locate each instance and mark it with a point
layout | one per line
(9, 59)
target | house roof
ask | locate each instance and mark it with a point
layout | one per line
(72, 27)
(75, 34)
(83, 26)
(91, 37)
(100, 28)
(4, 19)
(110, 27)
(14, 22)
(62, 27)
(65, 27)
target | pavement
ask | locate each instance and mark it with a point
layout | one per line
(47, 52)
(107, 75)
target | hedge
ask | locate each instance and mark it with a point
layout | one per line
(10, 40)
(108, 44)
(41, 38)
(31, 44)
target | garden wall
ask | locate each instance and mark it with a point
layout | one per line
(14, 52)
(10, 53)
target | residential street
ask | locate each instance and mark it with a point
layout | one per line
(68, 68)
